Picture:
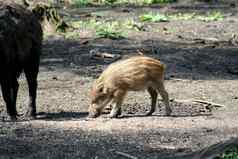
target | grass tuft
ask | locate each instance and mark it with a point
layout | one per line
(230, 154)
(110, 30)
(150, 17)
(149, 2)
(83, 3)
(212, 16)
(80, 3)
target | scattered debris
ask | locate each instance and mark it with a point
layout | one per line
(105, 55)
(216, 150)
(125, 155)
(84, 42)
(207, 106)
(140, 52)
(233, 40)
(96, 54)
(211, 41)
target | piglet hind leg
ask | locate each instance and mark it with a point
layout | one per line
(153, 93)
(165, 96)
(116, 103)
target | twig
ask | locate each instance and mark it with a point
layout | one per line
(207, 105)
(210, 103)
(125, 155)
(197, 101)
(52, 60)
(104, 55)
(204, 40)
(140, 52)
(96, 53)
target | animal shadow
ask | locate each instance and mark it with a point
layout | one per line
(62, 115)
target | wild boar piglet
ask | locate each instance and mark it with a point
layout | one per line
(132, 74)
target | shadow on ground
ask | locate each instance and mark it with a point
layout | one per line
(61, 116)
(182, 59)
(228, 6)
(50, 141)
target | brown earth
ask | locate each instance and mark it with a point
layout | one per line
(196, 69)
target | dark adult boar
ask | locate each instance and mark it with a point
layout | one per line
(20, 49)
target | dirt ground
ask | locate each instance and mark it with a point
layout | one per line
(196, 69)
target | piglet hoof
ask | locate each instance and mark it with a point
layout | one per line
(93, 115)
(115, 115)
(112, 116)
(106, 111)
(168, 112)
(31, 117)
(149, 113)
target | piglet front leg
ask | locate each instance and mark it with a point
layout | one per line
(116, 103)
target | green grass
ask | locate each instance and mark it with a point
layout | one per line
(133, 25)
(106, 29)
(230, 154)
(110, 2)
(182, 16)
(83, 3)
(211, 16)
(71, 35)
(150, 17)
(145, 2)
(157, 17)
(86, 24)
(111, 30)
(6, 131)
(148, 2)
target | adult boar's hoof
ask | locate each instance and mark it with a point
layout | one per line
(30, 114)
(13, 118)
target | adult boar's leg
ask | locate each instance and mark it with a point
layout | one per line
(9, 92)
(31, 72)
